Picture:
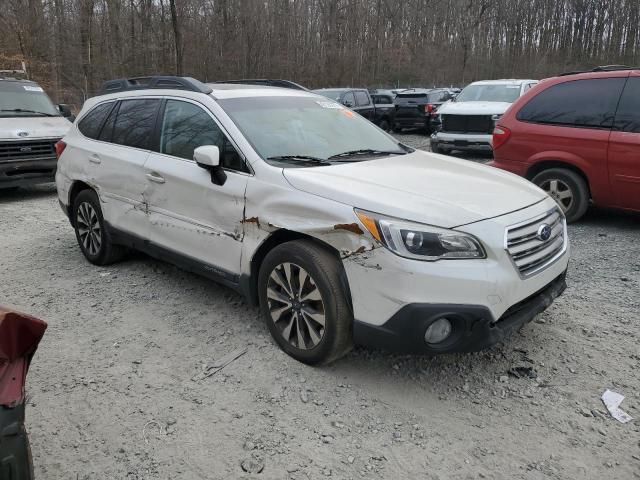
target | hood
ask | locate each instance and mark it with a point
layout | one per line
(474, 108)
(420, 186)
(14, 128)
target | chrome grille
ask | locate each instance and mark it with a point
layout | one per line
(27, 150)
(529, 248)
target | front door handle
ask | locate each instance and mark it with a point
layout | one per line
(154, 177)
(93, 158)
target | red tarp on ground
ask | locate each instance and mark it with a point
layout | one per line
(19, 338)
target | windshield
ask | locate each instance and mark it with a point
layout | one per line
(332, 94)
(21, 99)
(489, 93)
(311, 127)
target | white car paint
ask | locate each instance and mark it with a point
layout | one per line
(223, 226)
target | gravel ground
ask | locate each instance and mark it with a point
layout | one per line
(112, 393)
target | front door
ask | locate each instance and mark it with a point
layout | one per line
(188, 214)
(624, 148)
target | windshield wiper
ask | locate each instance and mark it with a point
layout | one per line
(367, 151)
(303, 158)
(22, 110)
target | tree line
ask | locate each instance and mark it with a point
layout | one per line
(72, 46)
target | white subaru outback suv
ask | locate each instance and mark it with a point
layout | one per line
(341, 234)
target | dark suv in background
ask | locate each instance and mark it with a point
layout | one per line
(416, 108)
(357, 99)
(577, 137)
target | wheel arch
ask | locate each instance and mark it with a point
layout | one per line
(249, 283)
(549, 164)
(77, 187)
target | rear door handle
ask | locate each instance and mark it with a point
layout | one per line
(155, 178)
(93, 158)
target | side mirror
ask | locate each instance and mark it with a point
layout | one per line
(64, 109)
(208, 157)
(347, 103)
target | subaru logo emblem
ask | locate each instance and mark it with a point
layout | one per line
(23, 134)
(544, 232)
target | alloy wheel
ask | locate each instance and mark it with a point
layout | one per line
(89, 229)
(560, 192)
(296, 306)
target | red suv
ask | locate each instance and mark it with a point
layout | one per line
(577, 136)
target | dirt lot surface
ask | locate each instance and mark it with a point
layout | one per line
(113, 395)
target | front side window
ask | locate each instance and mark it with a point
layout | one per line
(628, 114)
(589, 103)
(25, 99)
(134, 123)
(305, 126)
(362, 99)
(493, 92)
(186, 126)
(91, 123)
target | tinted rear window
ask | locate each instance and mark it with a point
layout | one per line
(589, 103)
(135, 122)
(91, 123)
(628, 115)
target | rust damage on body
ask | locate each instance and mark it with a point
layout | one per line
(350, 227)
(255, 220)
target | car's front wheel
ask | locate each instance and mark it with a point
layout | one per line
(93, 238)
(303, 301)
(567, 188)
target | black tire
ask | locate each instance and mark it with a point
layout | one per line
(384, 125)
(325, 272)
(437, 149)
(104, 253)
(397, 129)
(567, 183)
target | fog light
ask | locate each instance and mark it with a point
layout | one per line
(438, 331)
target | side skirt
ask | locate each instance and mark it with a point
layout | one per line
(184, 262)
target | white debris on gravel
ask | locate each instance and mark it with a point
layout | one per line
(121, 350)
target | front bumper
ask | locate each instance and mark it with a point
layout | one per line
(27, 172)
(385, 286)
(462, 141)
(474, 327)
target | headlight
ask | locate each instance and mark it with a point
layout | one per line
(418, 241)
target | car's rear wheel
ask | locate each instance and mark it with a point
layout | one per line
(384, 125)
(93, 238)
(303, 301)
(567, 188)
(397, 129)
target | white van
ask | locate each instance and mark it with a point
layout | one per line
(30, 126)
(467, 122)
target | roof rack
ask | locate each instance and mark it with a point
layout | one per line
(265, 82)
(156, 82)
(603, 68)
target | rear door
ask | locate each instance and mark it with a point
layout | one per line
(624, 147)
(189, 215)
(115, 163)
